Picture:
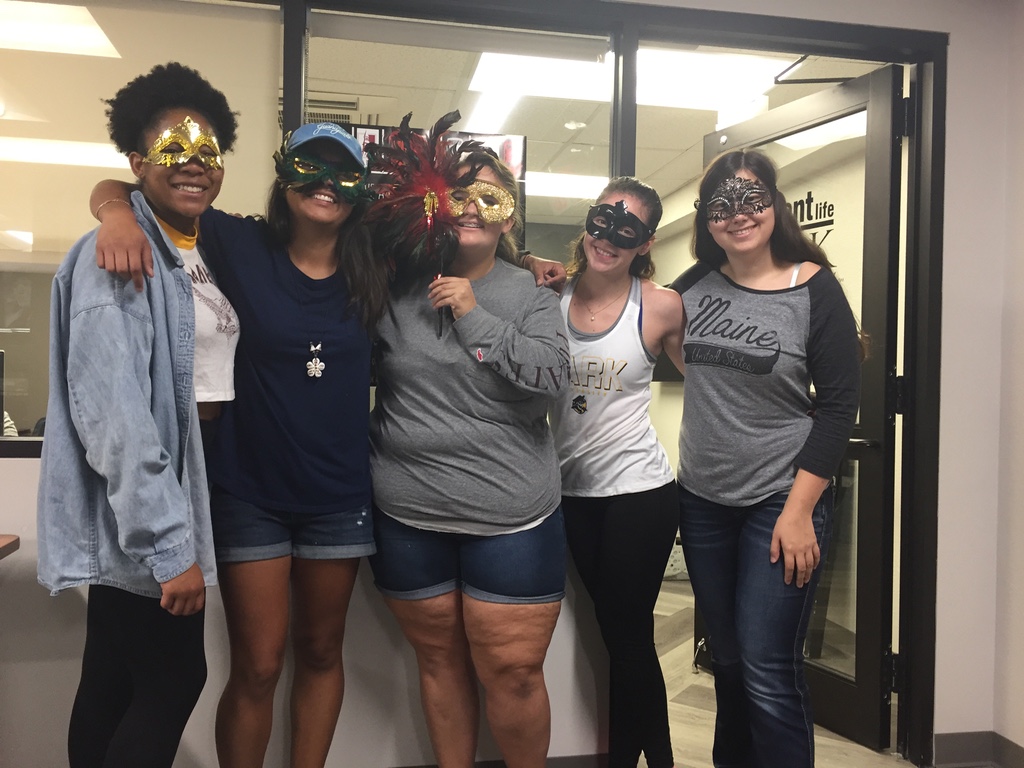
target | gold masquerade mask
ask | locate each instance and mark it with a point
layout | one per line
(493, 204)
(183, 142)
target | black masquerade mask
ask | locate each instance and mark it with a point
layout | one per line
(735, 196)
(298, 170)
(616, 225)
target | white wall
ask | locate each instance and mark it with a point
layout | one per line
(977, 514)
(1009, 630)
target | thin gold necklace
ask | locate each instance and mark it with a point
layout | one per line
(594, 313)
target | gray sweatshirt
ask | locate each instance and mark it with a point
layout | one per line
(459, 440)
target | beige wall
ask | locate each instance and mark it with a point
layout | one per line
(1009, 552)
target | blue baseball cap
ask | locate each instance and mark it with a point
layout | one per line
(331, 131)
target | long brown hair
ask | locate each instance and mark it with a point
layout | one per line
(365, 275)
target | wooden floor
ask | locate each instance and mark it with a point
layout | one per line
(692, 697)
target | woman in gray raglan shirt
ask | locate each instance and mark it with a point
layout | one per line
(470, 540)
(765, 320)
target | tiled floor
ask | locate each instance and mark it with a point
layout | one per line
(692, 697)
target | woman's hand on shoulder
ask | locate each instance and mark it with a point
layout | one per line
(547, 273)
(122, 247)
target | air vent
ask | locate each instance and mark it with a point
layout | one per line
(325, 107)
(343, 109)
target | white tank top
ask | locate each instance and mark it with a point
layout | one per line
(606, 443)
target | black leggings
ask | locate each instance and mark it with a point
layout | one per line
(621, 546)
(142, 672)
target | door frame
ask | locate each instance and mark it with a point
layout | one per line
(927, 54)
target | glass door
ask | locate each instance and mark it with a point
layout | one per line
(838, 152)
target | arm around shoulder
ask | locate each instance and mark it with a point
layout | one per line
(121, 245)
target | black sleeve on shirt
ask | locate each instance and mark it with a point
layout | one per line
(833, 361)
(689, 278)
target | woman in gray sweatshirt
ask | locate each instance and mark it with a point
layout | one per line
(471, 545)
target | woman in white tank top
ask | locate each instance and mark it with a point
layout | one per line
(618, 490)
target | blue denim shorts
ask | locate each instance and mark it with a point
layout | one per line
(244, 532)
(523, 568)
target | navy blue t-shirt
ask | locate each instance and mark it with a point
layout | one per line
(289, 441)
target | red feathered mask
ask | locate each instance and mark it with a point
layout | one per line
(413, 224)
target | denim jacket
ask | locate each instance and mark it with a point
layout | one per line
(123, 499)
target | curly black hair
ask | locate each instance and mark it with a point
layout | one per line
(137, 105)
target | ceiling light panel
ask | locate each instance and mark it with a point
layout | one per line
(51, 28)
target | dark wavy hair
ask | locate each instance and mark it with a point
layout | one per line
(642, 265)
(788, 243)
(365, 275)
(137, 106)
(508, 248)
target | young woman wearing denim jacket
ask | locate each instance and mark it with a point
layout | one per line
(123, 502)
(290, 524)
(765, 321)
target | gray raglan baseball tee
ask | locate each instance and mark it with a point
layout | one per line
(749, 417)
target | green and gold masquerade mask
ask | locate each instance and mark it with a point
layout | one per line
(493, 204)
(298, 170)
(184, 142)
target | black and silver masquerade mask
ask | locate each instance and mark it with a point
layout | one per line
(735, 196)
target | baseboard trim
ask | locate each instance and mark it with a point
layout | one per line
(576, 761)
(977, 749)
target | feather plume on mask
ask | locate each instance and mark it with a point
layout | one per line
(412, 221)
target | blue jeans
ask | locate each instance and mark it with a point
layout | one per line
(757, 625)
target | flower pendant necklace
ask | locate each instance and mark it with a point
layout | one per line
(315, 367)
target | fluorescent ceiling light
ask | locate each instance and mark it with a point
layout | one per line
(491, 111)
(703, 79)
(52, 28)
(16, 239)
(53, 152)
(542, 76)
(679, 79)
(539, 184)
(849, 127)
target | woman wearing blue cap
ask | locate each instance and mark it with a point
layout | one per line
(289, 465)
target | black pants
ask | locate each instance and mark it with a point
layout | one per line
(142, 672)
(621, 546)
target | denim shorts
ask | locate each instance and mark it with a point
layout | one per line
(244, 532)
(523, 568)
